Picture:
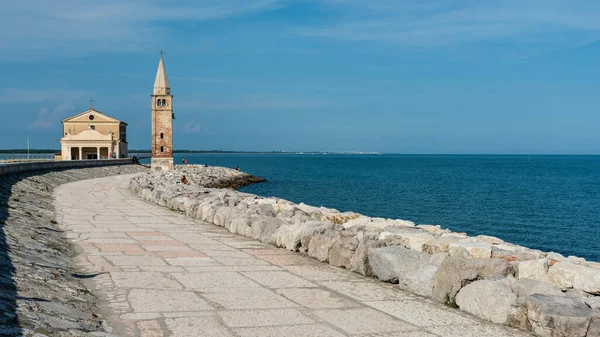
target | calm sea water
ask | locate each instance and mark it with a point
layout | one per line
(550, 203)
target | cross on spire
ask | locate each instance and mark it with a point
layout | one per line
(91, 103)
(161, 52)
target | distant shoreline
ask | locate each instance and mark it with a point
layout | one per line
(45, 151)
(50, 151)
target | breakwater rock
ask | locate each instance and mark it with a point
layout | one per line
(545, 293)
(212, 176)
(40, 293)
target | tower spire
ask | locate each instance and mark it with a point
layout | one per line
(161, 83)
(162, 121)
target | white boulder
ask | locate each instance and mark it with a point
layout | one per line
(489, 300)
(562, 274)
(475, 250)
(533, 269)
(588, 280)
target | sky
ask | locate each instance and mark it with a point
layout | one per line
(393, 76)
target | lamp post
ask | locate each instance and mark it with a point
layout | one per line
(27, 147)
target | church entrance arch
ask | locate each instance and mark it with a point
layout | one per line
(74, 153)
(89, 153)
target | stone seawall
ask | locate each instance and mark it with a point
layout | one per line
(58, 165)
(545, 293)
(40, 295)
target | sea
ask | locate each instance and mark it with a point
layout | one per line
(551, 203)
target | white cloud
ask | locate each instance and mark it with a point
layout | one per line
(192, 127)
(41, 28)
(71, 28)
(449, 22)
(50, 120)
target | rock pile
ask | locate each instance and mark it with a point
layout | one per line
(546, 293)
(212, 176)
(40, 295)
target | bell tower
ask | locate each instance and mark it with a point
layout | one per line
(162, 121)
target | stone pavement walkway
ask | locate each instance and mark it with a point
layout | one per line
(161, 273)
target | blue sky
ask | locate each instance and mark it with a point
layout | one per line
(379, 75)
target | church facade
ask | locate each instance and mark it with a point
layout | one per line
(93, 135)
(162, 121)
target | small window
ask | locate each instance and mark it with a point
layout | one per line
(162, 135)
(93, 127)
(91, 117)
(162, 149)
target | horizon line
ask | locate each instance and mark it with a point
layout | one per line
(183, 151)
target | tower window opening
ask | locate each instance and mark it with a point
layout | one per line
(162, 135)
(162, 149)
(164, 102)
(93, 127)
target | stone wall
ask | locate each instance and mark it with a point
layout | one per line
(57, 165)
(545, 293)
(40, 293)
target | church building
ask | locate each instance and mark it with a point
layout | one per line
(93, 135)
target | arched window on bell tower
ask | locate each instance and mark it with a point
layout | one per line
(162, 135)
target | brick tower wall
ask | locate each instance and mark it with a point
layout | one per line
(162, 131)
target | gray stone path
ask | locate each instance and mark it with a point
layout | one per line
(163, 274)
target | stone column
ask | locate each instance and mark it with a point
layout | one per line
(80, 153)
(98, 152)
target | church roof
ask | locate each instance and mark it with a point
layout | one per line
(161, 76)
(96, 113)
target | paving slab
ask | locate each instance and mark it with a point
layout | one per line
(363, 320)
(314, 330)
(278, 279)
(144, 280)
(317, 298)
(163, 274)
(254, 318)
(248, 298)
(197, 326)
(423, 313)
(368, 291)
(214, 281)
(151, 300)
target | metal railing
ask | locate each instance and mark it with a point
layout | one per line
(24, 158)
